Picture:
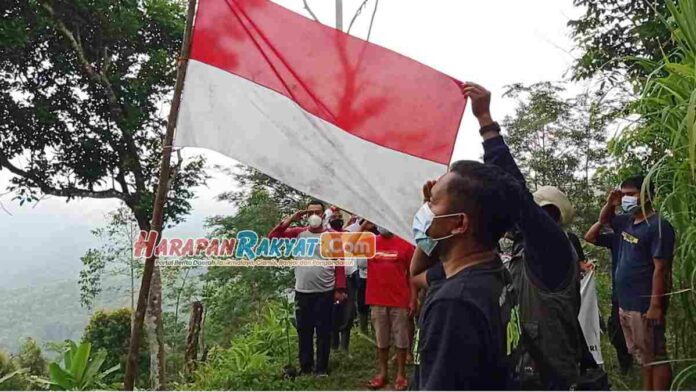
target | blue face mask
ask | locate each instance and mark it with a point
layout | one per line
(421, 223)
(629, 203)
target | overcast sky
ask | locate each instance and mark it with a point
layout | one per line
(492, 42)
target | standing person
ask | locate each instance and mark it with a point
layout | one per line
(317, 288)
(389, 296)
(463, 338)
(643, 276)
(422, 286)
(604, 236)
(344, 311)
(583, 299)
(361, 282)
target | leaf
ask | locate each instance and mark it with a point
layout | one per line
(60, 377)
(109, 371)
(9, 376)
(92, 368)
(79, 361)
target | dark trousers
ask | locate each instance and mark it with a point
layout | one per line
(363, 308)
(344, 314)
(617, 338)
(313, 313)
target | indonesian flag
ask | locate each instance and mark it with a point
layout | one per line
(331, 115)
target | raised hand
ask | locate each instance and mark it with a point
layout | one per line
(480, 101)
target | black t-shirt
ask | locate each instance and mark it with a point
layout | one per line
(577, 246)
(462, 338)
(547, 251)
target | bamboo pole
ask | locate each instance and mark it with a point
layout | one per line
(160, 199)
(339, 15)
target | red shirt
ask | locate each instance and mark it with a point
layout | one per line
(388, 273)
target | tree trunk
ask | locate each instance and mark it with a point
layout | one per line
(158, 221)
(194, 329)
(155, 332)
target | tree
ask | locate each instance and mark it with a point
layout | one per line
(612, 33)
(30, 358)
(81, 88)
(561, 141)
(232, 294)
(113, 258)
(283, 198)
(110, 331)
(663, 144)
(11, 378)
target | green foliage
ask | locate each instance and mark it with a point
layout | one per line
(82, 84)
(30, 358)
(259, 354)
(256, 357)
(110, 331)
(47, 312)
(665, 142)
(11, 378)
(561, 142)
(114, 257)
(283, 199)
(231, 295)
(81, 370)
(612, 32)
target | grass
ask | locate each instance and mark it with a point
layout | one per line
(350, 371)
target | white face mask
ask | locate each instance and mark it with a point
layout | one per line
(314, 221)
(629, 203)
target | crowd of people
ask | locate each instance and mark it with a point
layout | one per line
(471, 315)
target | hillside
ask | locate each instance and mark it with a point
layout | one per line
(47, 312)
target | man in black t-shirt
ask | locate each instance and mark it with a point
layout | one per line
(463, 339)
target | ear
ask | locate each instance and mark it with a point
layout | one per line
(462, 224)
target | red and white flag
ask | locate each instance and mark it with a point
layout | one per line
(329, 114)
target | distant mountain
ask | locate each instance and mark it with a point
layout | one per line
(47, 312)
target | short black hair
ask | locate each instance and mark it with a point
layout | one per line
(489, 195)
(637, 182)
(316, 201)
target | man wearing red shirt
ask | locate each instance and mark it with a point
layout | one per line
(389, 296)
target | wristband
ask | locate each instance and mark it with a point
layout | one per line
(490, 127)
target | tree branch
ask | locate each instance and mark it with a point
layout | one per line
(356, 14)
(101, 78)
(306, 7)
(70, 191)
(95, 76)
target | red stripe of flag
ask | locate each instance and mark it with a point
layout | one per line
(364, 89)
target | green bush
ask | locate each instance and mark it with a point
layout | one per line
(11, 378)
(664, 140)
(110, 331)
(81, 370)
(256, 357)
(30, 358)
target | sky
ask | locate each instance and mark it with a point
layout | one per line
(494, 43)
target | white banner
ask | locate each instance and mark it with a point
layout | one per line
(589, 315)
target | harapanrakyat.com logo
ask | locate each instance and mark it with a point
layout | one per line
(247, 248)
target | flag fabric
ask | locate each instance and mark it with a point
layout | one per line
(589, 316)
(334, 116)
